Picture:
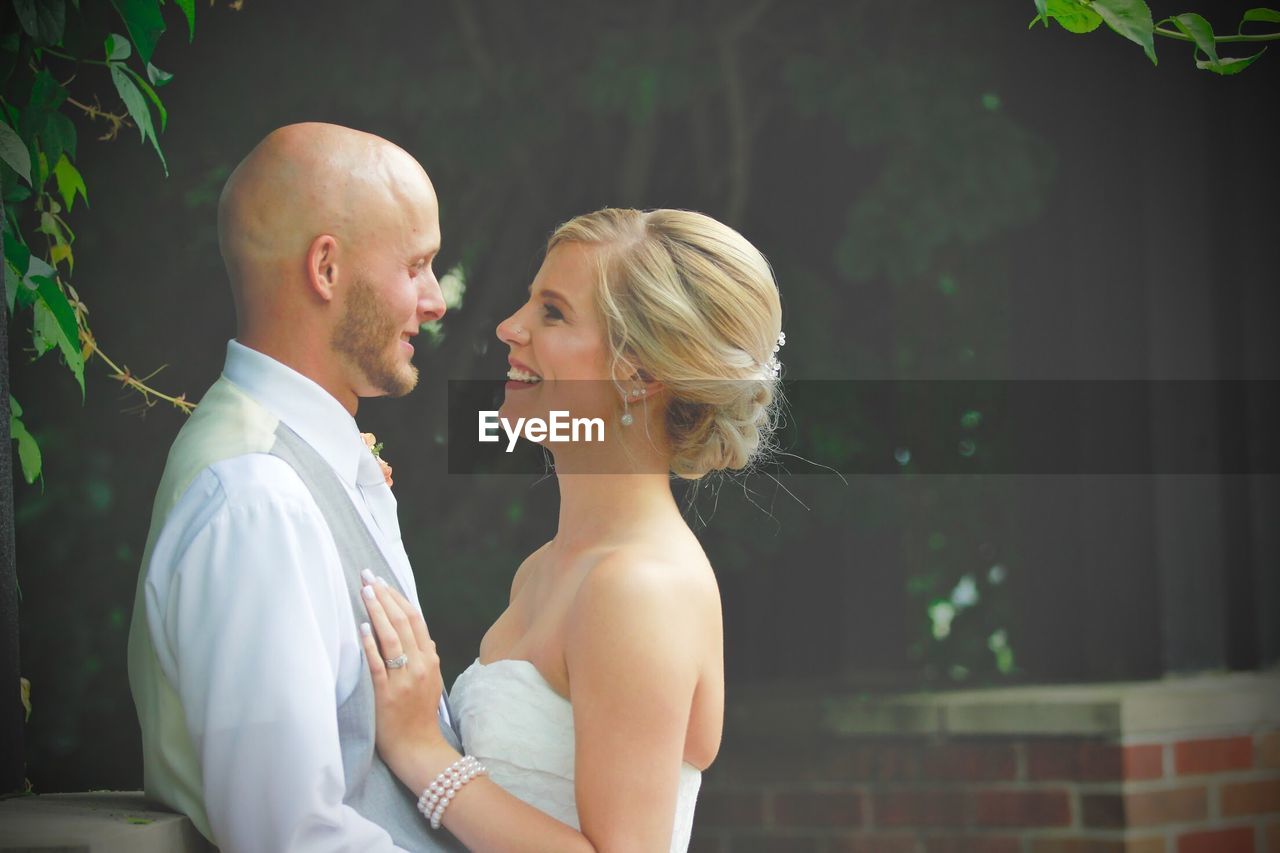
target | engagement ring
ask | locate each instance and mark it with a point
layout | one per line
(397, 662)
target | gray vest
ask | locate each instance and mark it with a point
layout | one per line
(372, 789)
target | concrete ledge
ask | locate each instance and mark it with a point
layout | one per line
(1137, 711)
(99, 822)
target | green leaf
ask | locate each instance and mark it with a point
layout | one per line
(1270, 16)
(70, 182)
(43, 20)
(36, 266)
(57, 135)
(144, 22)
(17, 193)
(1042, 14)
(44, 329)
(1228, 65)
(28, 293)
(1073, 15)
(46, 92)
(157, 76)
(16, 252)
(14, 152)
(1131, 19)
(12, 281)
(117, 47)
(61, 253)
(16, 260)
(28, 449)
(136, 104)
(151, 93)
(52, 297)
(50, 225)
(1201, 31)
(67, 329)
(188, 8)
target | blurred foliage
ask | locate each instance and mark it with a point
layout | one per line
(42, 42)
(1132, 19)
(45, 47)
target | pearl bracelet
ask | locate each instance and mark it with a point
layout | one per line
(436, 796)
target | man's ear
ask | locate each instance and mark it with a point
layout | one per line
(322, 266)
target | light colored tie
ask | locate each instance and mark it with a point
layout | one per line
(377, 496)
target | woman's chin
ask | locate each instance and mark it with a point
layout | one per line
(513, 408)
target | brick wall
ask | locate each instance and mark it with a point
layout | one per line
(993, 794)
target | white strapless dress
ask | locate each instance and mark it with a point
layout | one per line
(522, 731)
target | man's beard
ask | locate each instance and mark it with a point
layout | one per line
(363, 336)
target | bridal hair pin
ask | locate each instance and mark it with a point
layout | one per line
(773, 364)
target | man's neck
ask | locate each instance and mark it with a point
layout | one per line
(313, 362)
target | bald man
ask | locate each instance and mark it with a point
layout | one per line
(245, 662)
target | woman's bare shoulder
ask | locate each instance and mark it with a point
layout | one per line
(647, 583)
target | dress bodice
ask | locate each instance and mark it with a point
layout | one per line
(521, 729)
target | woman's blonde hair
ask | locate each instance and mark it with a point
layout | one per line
(687, 301)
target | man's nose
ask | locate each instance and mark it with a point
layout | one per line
(431, 301)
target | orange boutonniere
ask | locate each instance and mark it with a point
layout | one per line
(375, 447)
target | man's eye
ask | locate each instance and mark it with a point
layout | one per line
(551, 312)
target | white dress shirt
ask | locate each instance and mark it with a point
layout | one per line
(251, 622)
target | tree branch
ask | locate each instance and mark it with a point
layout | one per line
(741, 126)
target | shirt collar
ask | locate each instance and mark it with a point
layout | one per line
(309, 410)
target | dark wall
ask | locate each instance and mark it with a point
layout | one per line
(943, 195)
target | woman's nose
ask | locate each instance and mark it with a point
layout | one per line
(510, 331)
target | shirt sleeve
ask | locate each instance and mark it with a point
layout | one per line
(252, 619)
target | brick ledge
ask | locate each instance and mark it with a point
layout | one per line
(1129, 711)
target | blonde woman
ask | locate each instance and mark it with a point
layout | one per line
(597, 698)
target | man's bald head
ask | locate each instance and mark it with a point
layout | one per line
(303, 181)
(328, 235)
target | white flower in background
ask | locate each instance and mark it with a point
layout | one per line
(996, 574)
(453, 286)
(941, 613)
(998, 642)
(965, 594)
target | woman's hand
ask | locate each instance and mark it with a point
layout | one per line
(406, 697)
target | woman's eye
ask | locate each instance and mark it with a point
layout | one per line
(551, 312)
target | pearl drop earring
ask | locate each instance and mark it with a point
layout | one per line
(627, 418)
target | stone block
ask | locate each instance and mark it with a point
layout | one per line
(96, 822)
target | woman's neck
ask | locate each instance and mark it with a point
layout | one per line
(598, 508)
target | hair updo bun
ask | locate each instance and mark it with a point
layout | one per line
(688, 301)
